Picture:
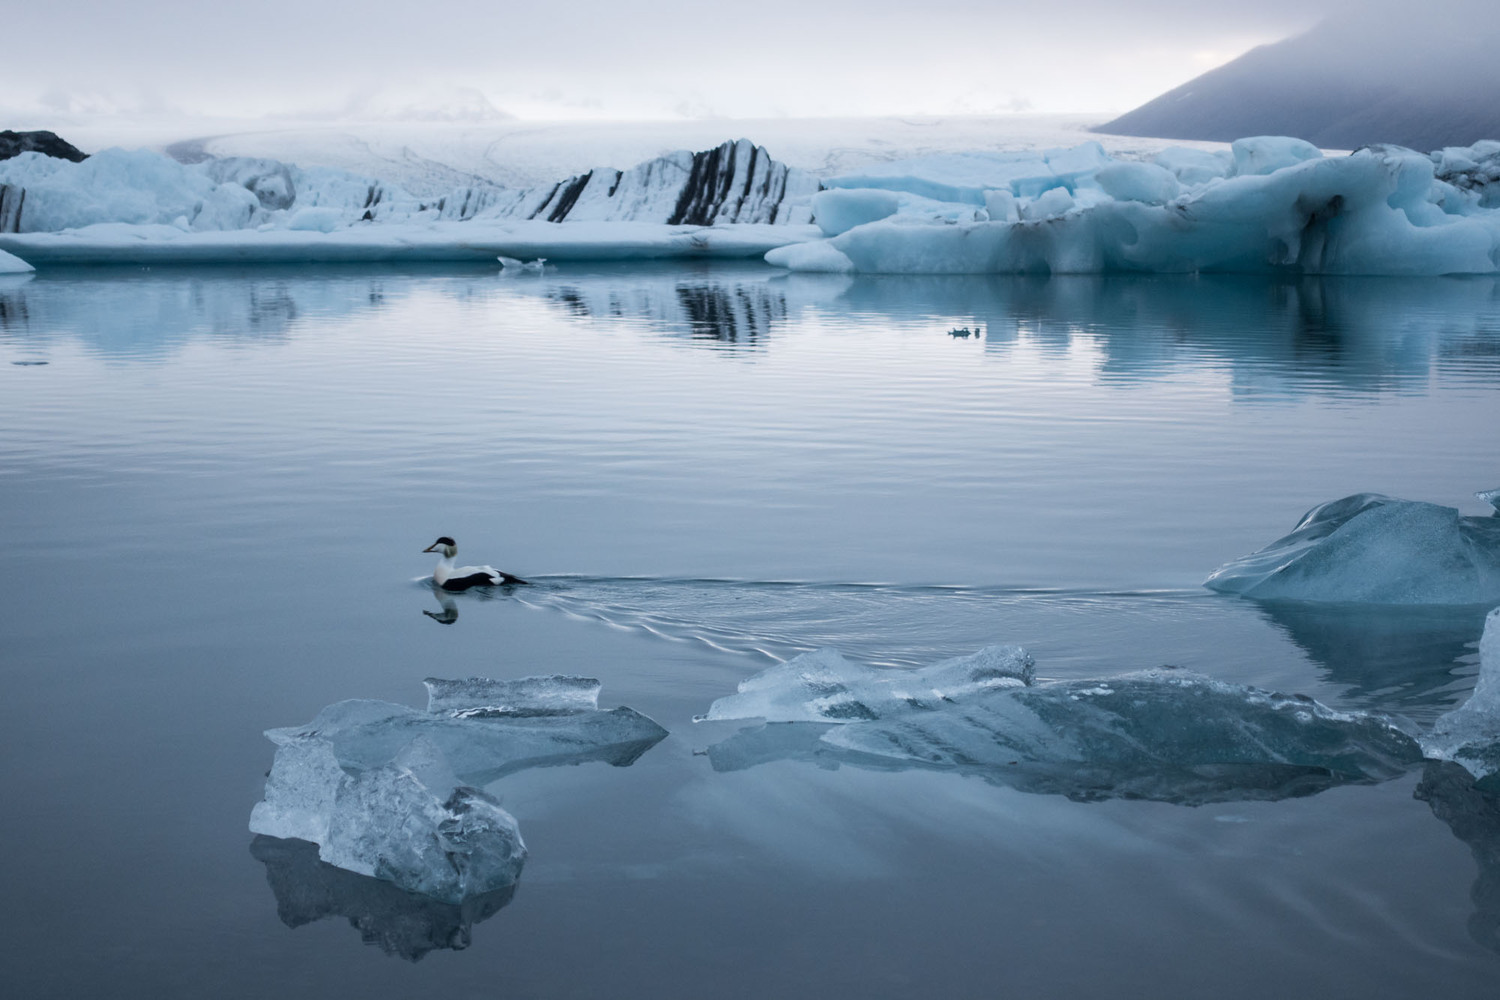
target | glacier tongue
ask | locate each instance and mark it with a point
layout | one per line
(1167, 735)
(1374, 549)
(386, 790)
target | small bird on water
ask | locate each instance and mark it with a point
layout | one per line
(448, 577)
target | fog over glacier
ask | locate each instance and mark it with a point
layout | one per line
(649, 59)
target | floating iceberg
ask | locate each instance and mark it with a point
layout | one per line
(1374, 549)
(1276, 205)
(387, 791)
(11, 264)
(1168, 735)
(398, 922)
(1470, 734)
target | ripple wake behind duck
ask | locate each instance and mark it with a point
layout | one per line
(1076, 633)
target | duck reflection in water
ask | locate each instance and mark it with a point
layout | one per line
(449, 614)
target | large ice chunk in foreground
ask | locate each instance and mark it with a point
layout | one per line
(1168, 735)
(387, 791)
(407, 821)
(411, 823)
(1470, 734)
(1374, 549)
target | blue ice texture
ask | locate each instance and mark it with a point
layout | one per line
(1374, 549)
(1470, 734)
(1166, 734)
(392, 792)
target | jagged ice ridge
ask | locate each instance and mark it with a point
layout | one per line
(1266, 205)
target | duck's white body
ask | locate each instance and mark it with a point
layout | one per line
(451, 577)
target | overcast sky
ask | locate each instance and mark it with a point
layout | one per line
(650, 58)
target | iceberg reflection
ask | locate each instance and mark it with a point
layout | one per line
(389, 792)
(1393, 656)
(1473, 815)
(1271, 337)
(400, 923)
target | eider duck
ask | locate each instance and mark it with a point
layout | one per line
(448, 577)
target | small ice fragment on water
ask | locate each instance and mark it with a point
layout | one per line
(480, 696)
(822, 686)
(1470, 734)
(1491, 497)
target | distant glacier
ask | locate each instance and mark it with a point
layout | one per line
(1265, 204)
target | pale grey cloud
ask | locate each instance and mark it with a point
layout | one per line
(648, 58)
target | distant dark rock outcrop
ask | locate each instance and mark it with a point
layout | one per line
(11, 200)
(46, 143)
(736, 181)
(1422, 82)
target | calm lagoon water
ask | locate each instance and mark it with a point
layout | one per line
(214, 490)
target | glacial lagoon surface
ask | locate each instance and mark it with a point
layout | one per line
(215, 486)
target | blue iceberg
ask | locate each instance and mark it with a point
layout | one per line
(1374, 549)
(1168, 735)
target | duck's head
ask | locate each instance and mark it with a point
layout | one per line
(447, 546)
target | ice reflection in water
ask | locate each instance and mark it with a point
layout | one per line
(1279, 338)
(400, 923)
(1078, 472)
(1473, 814)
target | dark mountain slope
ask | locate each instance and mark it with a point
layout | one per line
(1423, 81)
